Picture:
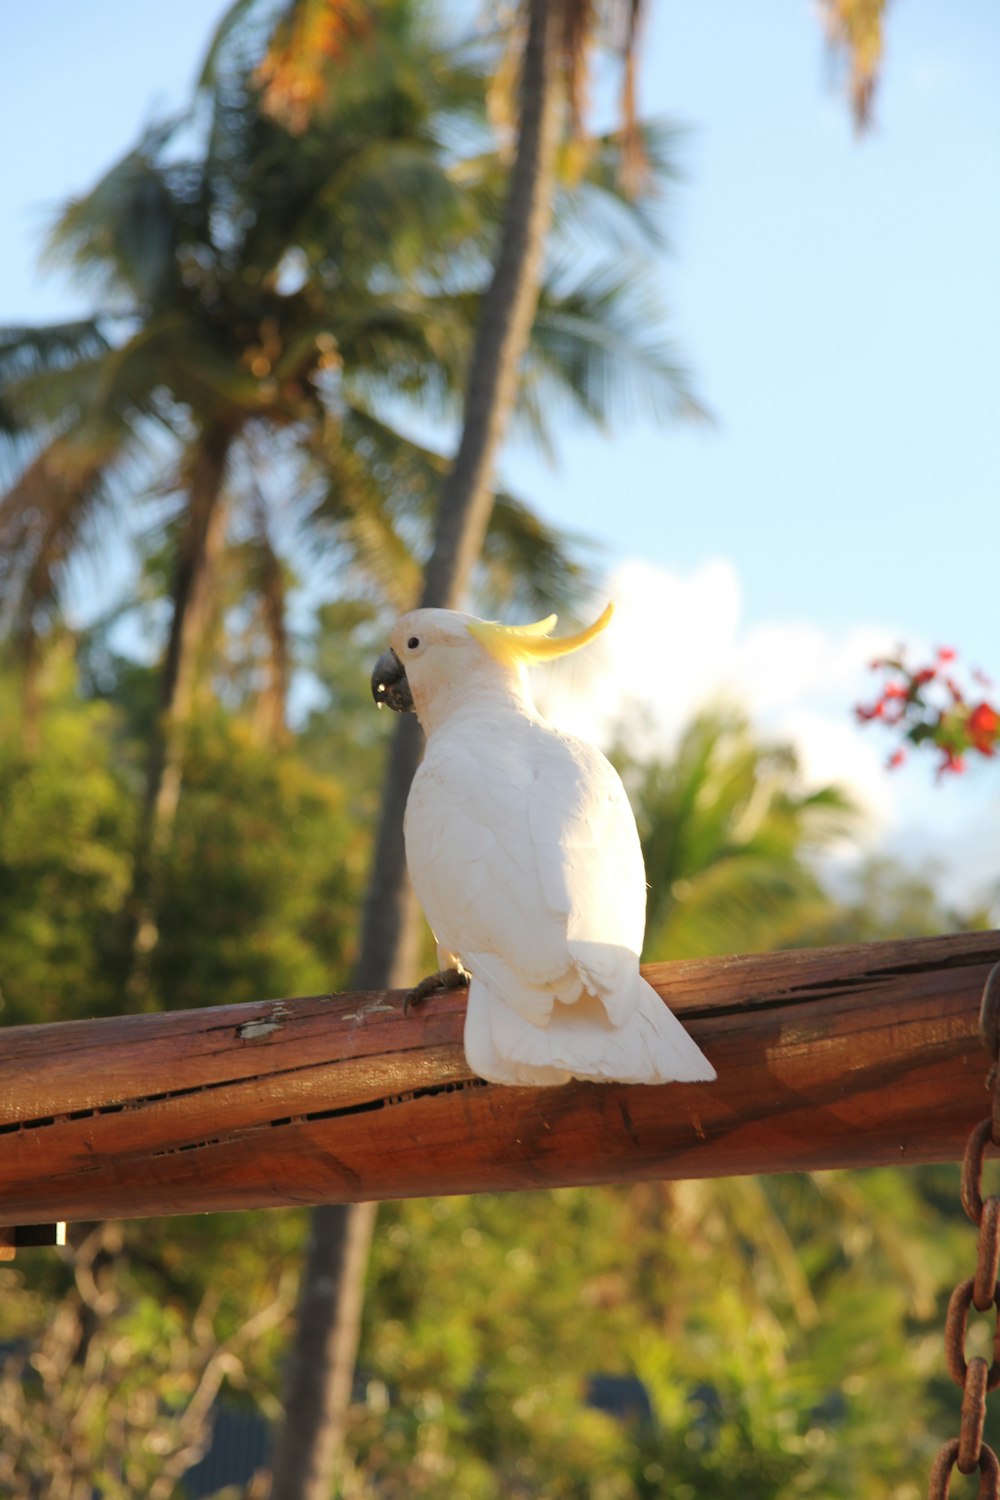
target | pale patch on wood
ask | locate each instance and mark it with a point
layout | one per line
(254, 1031)
(368, 1010)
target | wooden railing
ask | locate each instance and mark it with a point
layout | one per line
(836, 1057)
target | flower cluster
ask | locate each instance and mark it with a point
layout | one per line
(928, 707)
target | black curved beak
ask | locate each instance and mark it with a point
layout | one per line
(390, 688)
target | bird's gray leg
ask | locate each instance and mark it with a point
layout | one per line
(455, 978)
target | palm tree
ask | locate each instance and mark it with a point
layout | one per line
(557, 36)
(209, 340)
(729, 836)
(269, 303)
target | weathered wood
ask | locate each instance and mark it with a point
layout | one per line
(827, 1057)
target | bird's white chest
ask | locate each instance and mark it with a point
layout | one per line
(515, 829)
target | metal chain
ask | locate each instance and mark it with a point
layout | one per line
(974, 1376)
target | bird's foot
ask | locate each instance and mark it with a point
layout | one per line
(445, 979)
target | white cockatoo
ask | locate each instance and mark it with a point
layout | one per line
(523, 851)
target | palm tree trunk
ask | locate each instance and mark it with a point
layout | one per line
(467, 494)
(505, 317)
(319, 1387)
(322, 1363)
(200, 545)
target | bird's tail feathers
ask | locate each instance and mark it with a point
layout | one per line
(649, 1046)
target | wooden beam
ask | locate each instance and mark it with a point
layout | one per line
(836, 1057)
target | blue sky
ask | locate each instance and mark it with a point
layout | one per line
(835, 297)
(838, 300)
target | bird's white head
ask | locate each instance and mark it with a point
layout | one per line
(439, 659)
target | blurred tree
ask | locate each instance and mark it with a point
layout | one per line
(111, 1356)
(260, 886)
(262, 881)
(729, 836)
(768, 1338)
(115, 1394)
(271, 306)
(883, 897)
(64, 850)
(557, 35)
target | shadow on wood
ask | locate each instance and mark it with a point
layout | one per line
(833, 1057)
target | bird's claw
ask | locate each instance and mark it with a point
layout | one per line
(445, 979)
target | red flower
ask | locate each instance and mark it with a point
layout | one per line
(984, 719)
(982, 725)
(927, 706)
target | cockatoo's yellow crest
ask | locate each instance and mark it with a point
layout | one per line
(530, 644)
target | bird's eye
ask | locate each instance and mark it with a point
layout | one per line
(413, 643)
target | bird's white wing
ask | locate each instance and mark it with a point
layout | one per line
(588, 849)
(522, 848)
(591, 865)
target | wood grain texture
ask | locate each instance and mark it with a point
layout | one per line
(834, 1057)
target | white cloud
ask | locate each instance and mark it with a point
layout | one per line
(664, 655)
(676, 644)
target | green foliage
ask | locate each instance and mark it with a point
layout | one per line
(64, 866)
(887, 899)
(108, 1368)
(728, 834)
(261, 883)
(786, 1332)
(264, 875)
(115, 1391)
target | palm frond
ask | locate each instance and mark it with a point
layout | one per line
(728, 834)
(230, 29)
(599, 341)
(527, 566)
(311, 39)
(55, 346)
(744, 904)
(122, 235)
(400, 345)
(51, 401)
(32, 361)
(45, 518)
(348, 514)
(255, 601)
(604, 209)
(398, 199)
